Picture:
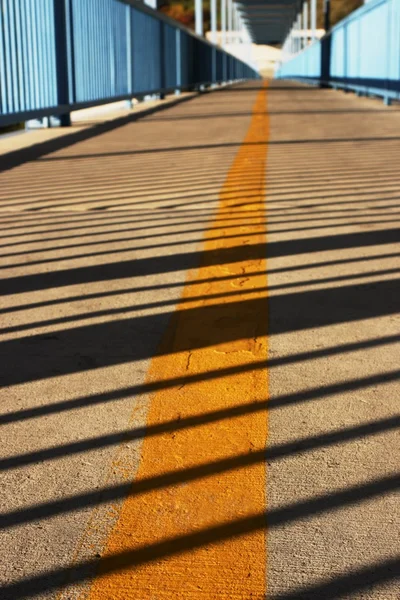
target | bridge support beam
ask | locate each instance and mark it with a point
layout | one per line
(223, 23)
(305, 24)
(313, 20)
(229, 21)
(213, 10)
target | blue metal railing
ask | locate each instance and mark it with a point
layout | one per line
(361, 53)
(62, 55)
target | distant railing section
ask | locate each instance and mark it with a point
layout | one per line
(361, 53)
(57, 56)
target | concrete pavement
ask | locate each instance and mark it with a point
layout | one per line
(333, 268)
(138, 292)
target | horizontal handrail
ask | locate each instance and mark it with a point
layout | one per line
(57, 56)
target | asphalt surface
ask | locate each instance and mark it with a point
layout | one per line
(98, 243)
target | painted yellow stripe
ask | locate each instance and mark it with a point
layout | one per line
(224, 333)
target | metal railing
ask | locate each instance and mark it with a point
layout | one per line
(361, 53)
(57, 56)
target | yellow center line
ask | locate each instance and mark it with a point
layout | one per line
(217, 330)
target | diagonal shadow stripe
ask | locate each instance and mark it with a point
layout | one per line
(31, 587)
(286, 269)
(55, 452)
(77, 502)
(164, 245)
(163, 303)
(324, 216)
(165, 480)
(185, 261)
(316, 141)
(112, 396)
(94, 346)
(17, 157)
(342, 586)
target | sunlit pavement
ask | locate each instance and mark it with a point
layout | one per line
(200, 354)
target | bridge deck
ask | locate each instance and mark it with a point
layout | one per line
(138, 291)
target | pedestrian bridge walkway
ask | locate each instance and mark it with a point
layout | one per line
(200, 352)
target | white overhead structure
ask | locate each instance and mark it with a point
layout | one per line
(234, 28)
(198, 17)
(314, 20)
(213, 24)
(265, 21)
(304, 29)
(234, 35)
(305, 24)
(223, 23)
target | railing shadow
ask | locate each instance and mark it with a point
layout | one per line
(66, 347)
(225, 531)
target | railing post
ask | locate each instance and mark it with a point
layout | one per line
(162, 60)
(213, 8)
(61, 43)
(223, 39)
(178, 47)
(129, 83)
(326, 44)
(327, 15)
